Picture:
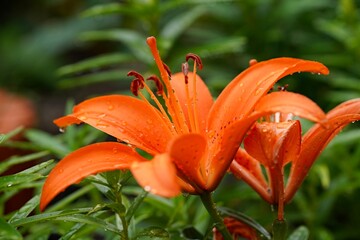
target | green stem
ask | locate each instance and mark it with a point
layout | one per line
(120, 210)
(279, 228)
(209, 204)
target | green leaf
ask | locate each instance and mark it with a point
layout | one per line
(5, 137)
(77, 228)
(47, 142)
(26, 209)
(85, 219)
(104, 9)
(132, 39)
(346, 137)
(69, 198)
(49, 216)
(10, 181)
(94, 63)
(165, 205)
(192, 233)
(111, 75)
(20, 159)
(179, 24)
(301, 233)
(37, 167)
(219, 47)
(245, 219)
(153, 233)
(135, 204)
(8, 232)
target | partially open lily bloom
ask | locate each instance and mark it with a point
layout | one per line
(277, 141)
(192, 139)
(237, 229)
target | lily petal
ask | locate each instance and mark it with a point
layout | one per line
(92, 159)
(204, 99)
(238, 99)
(126, 118)
(316, 139)
(248, 169)
(274, 143)
(223, 147)
(224, 143)
(187, 152)
(157, 176)
(289, 102)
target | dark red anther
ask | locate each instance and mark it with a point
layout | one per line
(159, 86)
(167, 69)
(136, 75)
(196, 58)
(137, 83)
(134, 87)
(185, 70)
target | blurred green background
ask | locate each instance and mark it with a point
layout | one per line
(55, 50)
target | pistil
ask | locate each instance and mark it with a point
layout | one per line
(171, 100)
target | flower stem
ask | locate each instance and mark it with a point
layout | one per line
(279, 228)
(209, 204)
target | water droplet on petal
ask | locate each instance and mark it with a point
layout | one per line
(110, 107)
(258, 91)
(82, 118)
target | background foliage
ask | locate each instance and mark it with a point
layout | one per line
(59, 50)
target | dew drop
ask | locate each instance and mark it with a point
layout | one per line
(62, 130)
(82, 118)
(110, 107)
(147, 188)
(9, 184)
(258, 91)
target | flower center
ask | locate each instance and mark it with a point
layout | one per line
(174, 116)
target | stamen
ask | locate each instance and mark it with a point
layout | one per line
(167, 69)
(171, 100)
(139, 83)
(159, 86)
(136, 75)
(197, 63)
(135, 86)
(185, 70)
(196, 59)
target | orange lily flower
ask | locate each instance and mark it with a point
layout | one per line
(273, 144)
(237, 229)
(192, 139)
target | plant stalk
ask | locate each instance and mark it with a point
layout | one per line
(279, 228)
(209, 204)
